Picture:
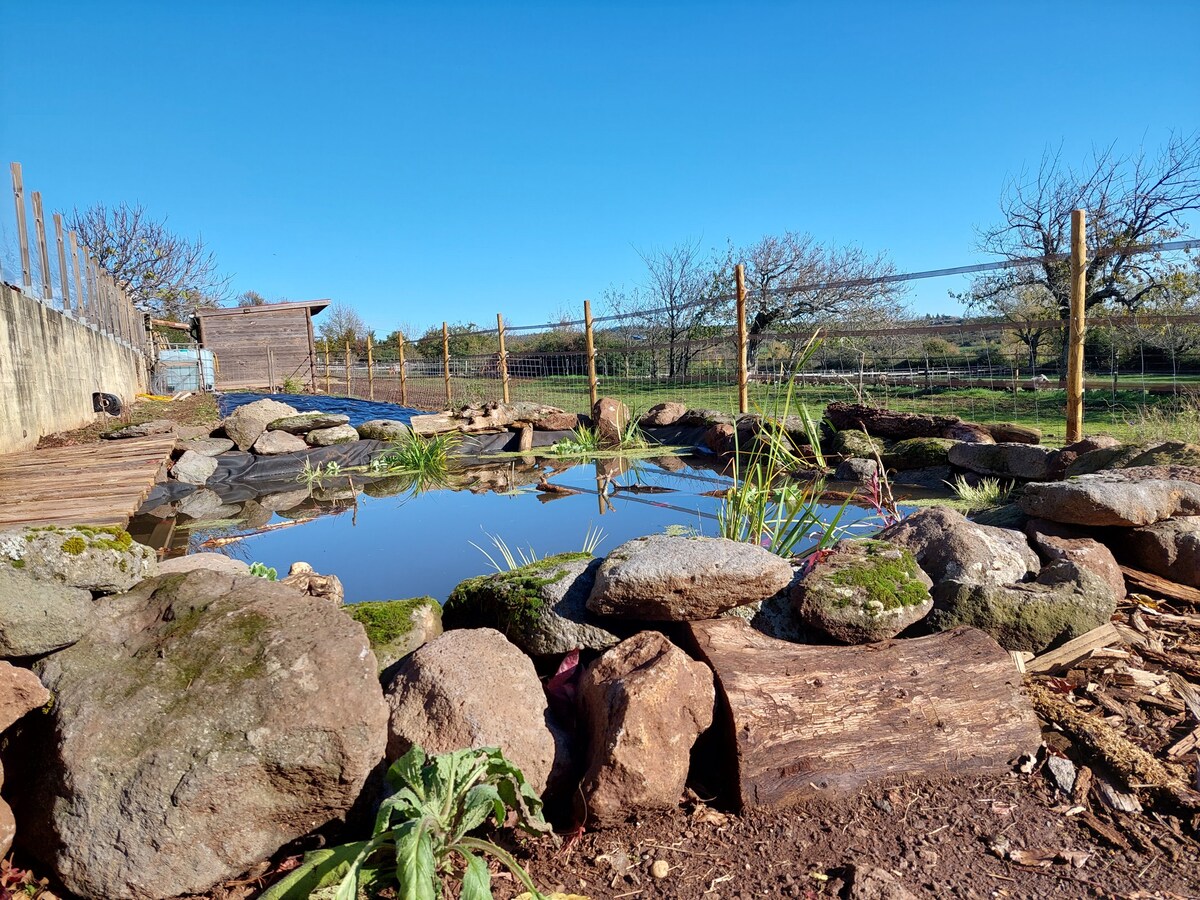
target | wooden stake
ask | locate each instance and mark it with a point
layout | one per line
(446, 362)
(347, 368)
(327, 366)
(74, 242)
(62, 261)
(370, 369)
(22, 231)
(503, 358)
(743, 361)
(39, 230)
(403, 374)
(593, 386)
(1078, 326)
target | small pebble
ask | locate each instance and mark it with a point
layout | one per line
(660, 869)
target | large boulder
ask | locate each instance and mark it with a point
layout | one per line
(103, 559)
(213, 562)
(665, 578)
(1064, 602)
(970, 433)
(396, 628)
(861, 471)
(888, 423)
(863, 591)
(1012, 433)
(1112, 498)
(473, 688)
(1170, 549)
(246, 424)
(1028, 462)
(204, 722)
(1167, 453)
(303, 423)
(662, 414)
(540, 607)
(21, 692)
(645, 702)
(272, 443)
(202, 504)
(1055, 542)
(950, 547)
(610, 418)
(327, 437)
(853, 443)
(918, 453)
(193, 468)
(38, 617)
(383, 430)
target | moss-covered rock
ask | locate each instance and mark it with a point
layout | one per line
(1064, 602)
(541, 607)
(851, 443)
(396, 628)
(104, 559)
(918, 453)
(863, 591)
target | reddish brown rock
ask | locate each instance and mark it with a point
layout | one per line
(719, 439)
(20, 692)
(888, 423)
(1012, 433)
(645, 703)
(1131, 497)
(1054, 542)
(8, 829)
(969, 433)
(1169, 549)
(610, 418)
(663, 414)
(558, 421)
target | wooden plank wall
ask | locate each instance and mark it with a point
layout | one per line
(240, 343)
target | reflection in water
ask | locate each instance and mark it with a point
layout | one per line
(391, 537)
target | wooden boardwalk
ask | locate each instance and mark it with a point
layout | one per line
(93, 484)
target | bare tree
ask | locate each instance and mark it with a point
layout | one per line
(1030, 307)
(161, 271)
(682, 302)
(252, 298)
(340, 324)
(793, 281)
(1130, 201)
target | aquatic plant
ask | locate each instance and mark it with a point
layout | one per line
(262, 570)
(422, 832)
(522, 556)
(592, 539)
(425, 459)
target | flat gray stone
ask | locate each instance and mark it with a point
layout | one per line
(327, 437)
(302, 423)
(105, 560)
(950, 547)
(192, 468)
(272, 443)
(1110, 499)
(665, 578)
(200, 504)
(145, 429)
(205, 446)
(383, 430)
(213, 562)
(37, 616)
(1027, 462)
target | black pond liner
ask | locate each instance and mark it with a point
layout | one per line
(359, 411)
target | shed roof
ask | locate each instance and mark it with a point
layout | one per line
(314, 306)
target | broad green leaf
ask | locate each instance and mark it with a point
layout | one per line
(399, 807)
(320, 868)
(406, 771)
(477, 880)
(481, 801)
(415, 863)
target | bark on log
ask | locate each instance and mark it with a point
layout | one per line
(812, 720)
(888, 424)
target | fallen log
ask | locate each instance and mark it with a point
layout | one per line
(888, 423)
(810, 720)
(1140, 582)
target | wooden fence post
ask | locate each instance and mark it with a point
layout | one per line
(743, 361)
(589, 338)
(370, 369)
(39, 228)
(74, 242)
(1078, 326)
(347, 368)
(62, 262)
(18, 184)
(327, 366)
(503, 358)
(446, 362)
(403, 374)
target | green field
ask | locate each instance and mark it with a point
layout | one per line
(1128, 413)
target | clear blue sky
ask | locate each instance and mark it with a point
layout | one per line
(452, 160)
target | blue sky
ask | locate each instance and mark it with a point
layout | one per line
(452, 160)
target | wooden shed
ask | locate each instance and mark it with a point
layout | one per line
(261, 346)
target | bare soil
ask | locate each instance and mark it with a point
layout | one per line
(196, 410)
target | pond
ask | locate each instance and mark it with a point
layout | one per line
(387, 539)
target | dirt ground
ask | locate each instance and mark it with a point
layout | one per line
(196, 410)
(936, 840)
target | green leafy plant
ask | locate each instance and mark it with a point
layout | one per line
(292, 385)
(422, 832)
(425, 459)
(584, 443)
(262, 570)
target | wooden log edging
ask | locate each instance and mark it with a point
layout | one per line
(812, 720)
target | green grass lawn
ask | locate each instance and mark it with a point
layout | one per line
(1128, 413)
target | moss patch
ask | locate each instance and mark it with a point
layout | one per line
(506, 601)
(919, 453)
(74, 545)
(388, 621)
(887, 574)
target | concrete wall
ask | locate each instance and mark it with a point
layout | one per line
(50, 364)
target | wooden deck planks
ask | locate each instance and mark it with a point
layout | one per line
(96, 484)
